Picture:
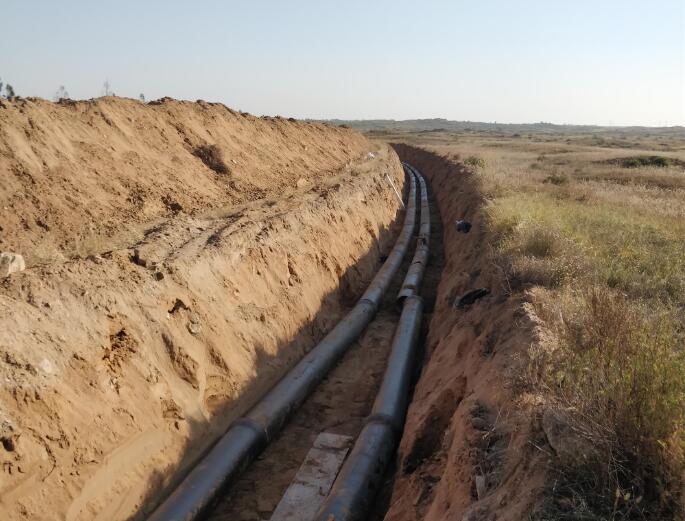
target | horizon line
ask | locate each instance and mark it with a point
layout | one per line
(360, 120)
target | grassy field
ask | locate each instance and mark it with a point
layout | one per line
(591, 227)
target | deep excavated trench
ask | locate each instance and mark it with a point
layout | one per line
(247, 437)
(339, 405)
(177, 333)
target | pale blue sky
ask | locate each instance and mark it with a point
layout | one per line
(601, 61)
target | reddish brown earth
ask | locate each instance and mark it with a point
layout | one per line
(466, 452)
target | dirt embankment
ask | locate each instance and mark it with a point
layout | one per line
(466, 452)
(120, 366)
(78, 177)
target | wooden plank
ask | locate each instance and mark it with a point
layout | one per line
(314, 479)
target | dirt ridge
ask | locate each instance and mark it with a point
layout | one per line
(83, 176)
(120, 367)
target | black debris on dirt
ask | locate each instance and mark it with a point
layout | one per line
(470, 297)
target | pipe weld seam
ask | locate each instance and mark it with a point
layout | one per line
(254, 426)
(395, 424)
(368, 302)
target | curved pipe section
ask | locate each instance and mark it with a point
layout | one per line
(248, 436)
(360, 478)
(412, 281)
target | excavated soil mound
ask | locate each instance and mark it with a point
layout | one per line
(175, 291)
(83, 177)
(466, 453)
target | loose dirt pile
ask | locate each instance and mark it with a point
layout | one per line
(83, 177)
(123, 361)
(466, 453)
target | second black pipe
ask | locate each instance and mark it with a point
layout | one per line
(359, 480)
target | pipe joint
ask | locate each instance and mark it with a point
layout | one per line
(385, 419)
(369, 303)
(254, 426)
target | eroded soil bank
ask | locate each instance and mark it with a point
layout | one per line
(119, 367)
(466, 452)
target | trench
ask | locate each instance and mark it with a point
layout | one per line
(339, 405)
(429, 293)
(333, 307)
(178, 333)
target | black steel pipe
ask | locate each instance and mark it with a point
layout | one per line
(248, 436)
(360, 478)
(412, 281)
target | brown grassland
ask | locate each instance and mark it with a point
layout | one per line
(592, 228)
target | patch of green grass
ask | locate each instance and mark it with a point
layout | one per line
(475, 161)
(639, 255)
(620, 363)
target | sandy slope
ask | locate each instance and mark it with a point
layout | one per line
(121, 365)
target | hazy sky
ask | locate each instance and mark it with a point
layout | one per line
(600, 61)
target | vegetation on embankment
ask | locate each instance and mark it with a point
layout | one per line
(593, 237)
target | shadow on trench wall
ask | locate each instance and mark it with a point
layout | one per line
(270, 369)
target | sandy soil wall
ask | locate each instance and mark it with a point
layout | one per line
(466, 452)
(120, 367)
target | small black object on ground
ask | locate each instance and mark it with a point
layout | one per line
(463, 226)
(470, 297)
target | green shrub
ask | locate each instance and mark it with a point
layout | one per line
(642, 161)
(475, 161)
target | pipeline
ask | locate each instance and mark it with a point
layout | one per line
(360, 477)
(412, 281)
(248, 436)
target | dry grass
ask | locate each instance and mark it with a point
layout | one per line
(595, 226)
(212, 157)
(619, 368)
